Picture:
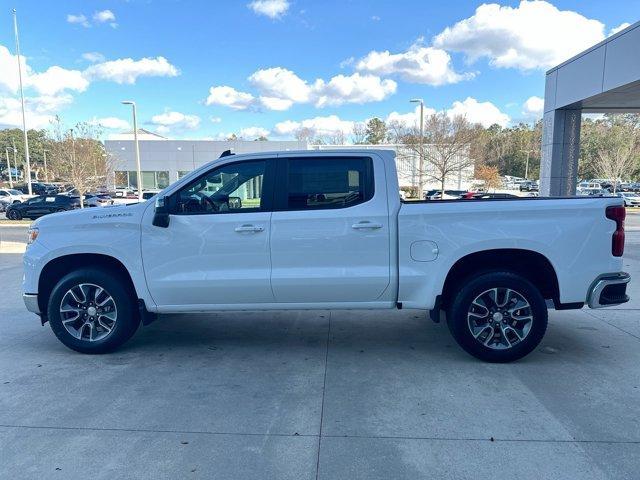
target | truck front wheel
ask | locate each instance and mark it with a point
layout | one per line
(498, 317)
(91, 311)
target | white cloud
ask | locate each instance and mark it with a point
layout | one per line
(533, 107)
(322, 126)
(104, 16)
(275, 103)
(533, 35)
(111, 123)
(9, 71)
(39, 110)
(127, 70)
(215, 119)
(281, 83)
(619, 28)
(170, 121)
(419, 64)
(229, 97)
(484, 113)
(409, 120)
(79, 19)
(355, 88)
(93, 57)
(251, 133)
(270, 8)
(56, 79)
(53, 84)
(279, 89)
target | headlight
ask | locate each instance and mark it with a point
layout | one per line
(32, 234)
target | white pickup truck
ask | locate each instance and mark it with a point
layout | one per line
(323, 230)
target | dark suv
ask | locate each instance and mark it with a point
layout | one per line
(42, 205)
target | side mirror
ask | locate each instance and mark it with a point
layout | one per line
(161, 214)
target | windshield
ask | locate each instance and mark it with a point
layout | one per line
(15, 192)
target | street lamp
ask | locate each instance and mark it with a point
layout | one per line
(526, 165)
(135, 139)
(24, 118)
(6, 153)
(46, 172)
(421, 154)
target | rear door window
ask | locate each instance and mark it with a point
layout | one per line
(326, 183)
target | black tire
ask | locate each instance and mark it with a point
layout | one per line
(127, 319)
(460, 317)
(14, 215)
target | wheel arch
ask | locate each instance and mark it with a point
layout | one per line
(60, 266)
(531, 265)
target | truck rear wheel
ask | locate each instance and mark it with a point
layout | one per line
(498, 317)
(91, 311)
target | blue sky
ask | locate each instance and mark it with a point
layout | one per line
(274, 66)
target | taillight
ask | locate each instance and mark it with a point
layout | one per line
(617, 213)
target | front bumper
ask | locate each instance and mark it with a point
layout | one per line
(31, 302)
(607, 290)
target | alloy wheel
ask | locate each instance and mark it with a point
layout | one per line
(88, 312)
(500, 318)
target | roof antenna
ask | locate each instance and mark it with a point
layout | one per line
(226, 153)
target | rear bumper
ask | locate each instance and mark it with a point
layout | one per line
(31, 302)
(607, 290)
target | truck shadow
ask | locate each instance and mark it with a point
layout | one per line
(571, 336)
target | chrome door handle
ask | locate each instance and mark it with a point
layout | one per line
(366, 225)
(249, 228)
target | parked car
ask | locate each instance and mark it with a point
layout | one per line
(39, 188)
(324, 230)
(12, 195)
(448, 194)
(529, 186)
(631, 199)
(123, 192)
(147, 194)
(489, 196)
(97, 200)
(42, 205)
(593, 192)
(4, 203)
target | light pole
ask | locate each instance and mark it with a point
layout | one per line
(24, 120)
(421, 154)
(46, 172)
(135, 139)
(526, 165)
(6, 154)
(15, 161)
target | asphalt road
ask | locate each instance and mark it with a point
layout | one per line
(330, 395)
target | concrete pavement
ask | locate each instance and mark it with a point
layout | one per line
(330, 395)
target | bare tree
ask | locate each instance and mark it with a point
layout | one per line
(304, 134)
(359, 133)
(617, 159)
(446, 145)
(77, 157)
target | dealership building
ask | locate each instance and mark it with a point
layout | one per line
(163, 161)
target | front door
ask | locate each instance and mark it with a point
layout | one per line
(215, 250)
(330, 230)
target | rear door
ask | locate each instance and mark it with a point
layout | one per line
(330, 230)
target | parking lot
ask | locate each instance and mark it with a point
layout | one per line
(330, 395)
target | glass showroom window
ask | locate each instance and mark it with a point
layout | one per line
(151, 180)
